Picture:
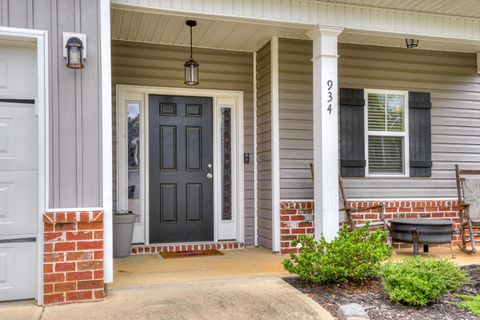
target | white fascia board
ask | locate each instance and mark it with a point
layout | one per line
(308, 13)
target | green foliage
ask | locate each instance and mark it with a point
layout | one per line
(419, 281)
(471, 303)
(353, 256)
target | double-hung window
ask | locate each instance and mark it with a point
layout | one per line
(386, 133)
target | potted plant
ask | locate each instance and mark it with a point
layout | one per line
(123, 222)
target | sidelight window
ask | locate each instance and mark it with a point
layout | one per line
(133, 149)
(226, 163)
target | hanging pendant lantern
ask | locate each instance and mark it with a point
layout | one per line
(191, 66)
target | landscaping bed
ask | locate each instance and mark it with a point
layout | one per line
(373, 297)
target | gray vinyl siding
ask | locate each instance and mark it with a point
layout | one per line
(264, 147)
(296, 129)
(135, 63)
(455, 92)
(75, 154)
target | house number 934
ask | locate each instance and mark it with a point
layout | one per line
(329, 95)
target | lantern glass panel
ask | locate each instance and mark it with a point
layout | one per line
(191, 72)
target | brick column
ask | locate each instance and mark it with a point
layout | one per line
(73, 257)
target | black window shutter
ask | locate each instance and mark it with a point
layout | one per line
(352, 144)
(420, 134)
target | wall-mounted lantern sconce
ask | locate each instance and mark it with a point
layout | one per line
(74, 50)
(411, 43)
(191, 66)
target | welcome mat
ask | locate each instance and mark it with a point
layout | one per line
(186, 254)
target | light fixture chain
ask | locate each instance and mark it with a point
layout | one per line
(191, 42)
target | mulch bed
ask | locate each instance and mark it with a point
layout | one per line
(374, 298)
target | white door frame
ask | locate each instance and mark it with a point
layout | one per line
(40, 37)
(221, 98)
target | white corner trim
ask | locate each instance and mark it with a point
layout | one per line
(40, 38)
(107, 163)
(275, 132)
(255, 151)
(478, 62)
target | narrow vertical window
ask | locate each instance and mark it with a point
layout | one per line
(133, 148)
(226, 163)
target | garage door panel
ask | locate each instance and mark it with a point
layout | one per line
(18, 170)
(18, 67)
(18, 144)
(15, 281)
(18, 208)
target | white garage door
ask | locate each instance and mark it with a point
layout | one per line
(18, 171)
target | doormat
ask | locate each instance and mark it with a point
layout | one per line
(186, 254)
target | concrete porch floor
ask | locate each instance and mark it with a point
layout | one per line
(139, 270)
(152, 269)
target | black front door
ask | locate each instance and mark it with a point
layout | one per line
(181, 158)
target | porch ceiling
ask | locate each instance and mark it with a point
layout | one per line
(220, 33)
(464, 8)
(158, 28)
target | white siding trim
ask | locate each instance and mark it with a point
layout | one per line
(478, 62)
(74, 209)
(309, 12)
(255, 164)
(275, 119)
(107, 161)
(41, 39)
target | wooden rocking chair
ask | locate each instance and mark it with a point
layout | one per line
(349, 210)
(468, 189)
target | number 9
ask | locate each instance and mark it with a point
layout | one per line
(330, 84)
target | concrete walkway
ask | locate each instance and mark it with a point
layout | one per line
(247, 298)
(262, 298)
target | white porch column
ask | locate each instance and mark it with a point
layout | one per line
(325, 129)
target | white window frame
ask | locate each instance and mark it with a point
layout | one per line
(404, 134)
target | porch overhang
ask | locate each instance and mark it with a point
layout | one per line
(447, 26)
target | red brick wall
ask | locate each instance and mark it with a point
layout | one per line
(221, 245)
(297, 217)
(73, 257)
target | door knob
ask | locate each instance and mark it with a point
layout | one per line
(209, 176)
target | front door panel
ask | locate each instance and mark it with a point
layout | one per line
(180, 167)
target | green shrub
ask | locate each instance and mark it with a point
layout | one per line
(471, 303)
(419, 281)
(352, 256)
